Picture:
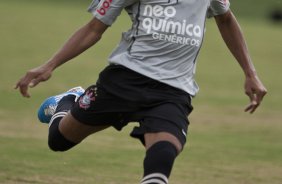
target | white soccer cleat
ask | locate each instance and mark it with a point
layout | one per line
(48, 107)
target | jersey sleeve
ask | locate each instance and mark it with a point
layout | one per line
(218, 7)
(93, 6)
(108, 10)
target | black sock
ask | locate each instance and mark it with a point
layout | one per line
(158, 163)
(56, 141)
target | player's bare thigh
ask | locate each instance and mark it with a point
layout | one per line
(76, 131)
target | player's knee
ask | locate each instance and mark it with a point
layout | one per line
(155, 138)
(56, 141)
(59, 145)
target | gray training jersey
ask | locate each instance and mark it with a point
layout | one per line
(165, 37)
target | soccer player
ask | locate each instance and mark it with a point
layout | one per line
(149, 79)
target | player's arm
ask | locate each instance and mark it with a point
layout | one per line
(80, 41)
(233, 37)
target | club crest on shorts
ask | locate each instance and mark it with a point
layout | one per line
(87, 98)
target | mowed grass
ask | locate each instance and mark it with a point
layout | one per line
(225, 145)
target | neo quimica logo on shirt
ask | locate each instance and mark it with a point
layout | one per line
(160, 23)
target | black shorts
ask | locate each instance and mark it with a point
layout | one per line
(121, 96)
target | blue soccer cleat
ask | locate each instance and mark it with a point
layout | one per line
(48, 107)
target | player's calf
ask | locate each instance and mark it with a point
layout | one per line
(56, 140)
(52, 110)
(158, 163)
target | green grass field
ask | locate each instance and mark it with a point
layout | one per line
(225, 145)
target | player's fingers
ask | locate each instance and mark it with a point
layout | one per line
(260, 95)
(251, 96)
(37, 80)
(23, 83)
(253, 102)
(247, 108)
(258, 100)
(24, 91)
(34, 82)
(251, 107)
(22, 88)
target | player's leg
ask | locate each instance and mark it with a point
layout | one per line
(163, 141)
(64, 130)
(153, 138)
(163, 131)
(161, 150)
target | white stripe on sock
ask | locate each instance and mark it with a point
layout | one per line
(153, 181)
(57, 115)
(155, 175)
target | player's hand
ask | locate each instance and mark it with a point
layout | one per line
(32, 78)
(256, 91)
